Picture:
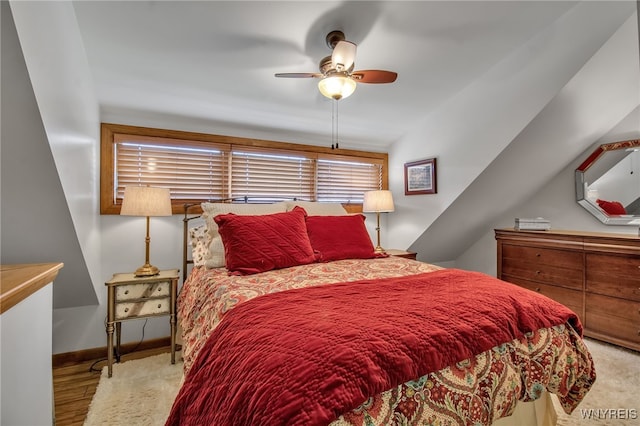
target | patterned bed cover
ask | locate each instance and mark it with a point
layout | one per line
(482, 389)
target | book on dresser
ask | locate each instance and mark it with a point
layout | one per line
(532, 224)
(597, 275)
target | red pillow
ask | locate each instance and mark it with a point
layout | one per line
(254, 244)
(611, 207)
(340, 237)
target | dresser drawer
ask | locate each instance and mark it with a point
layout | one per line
(613, 275)
(143, 308)
(572, 299)
(142, 290)
(613, 317)
(550, 266)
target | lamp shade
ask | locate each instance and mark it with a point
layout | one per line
(146, 201)
(378, 201)
(337, 86)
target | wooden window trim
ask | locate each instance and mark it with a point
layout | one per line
(110, 130)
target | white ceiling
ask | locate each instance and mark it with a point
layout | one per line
(214, 61)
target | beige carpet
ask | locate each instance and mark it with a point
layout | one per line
(141, 392)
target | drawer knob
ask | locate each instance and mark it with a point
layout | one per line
(538, 289)
(126, 309)
(126, 292)
(537, 272)
(159, 289)
(537, 254)
(159, 306)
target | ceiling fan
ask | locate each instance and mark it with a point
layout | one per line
(338, 79)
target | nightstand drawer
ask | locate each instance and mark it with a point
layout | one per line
(143, 308)
(143, 290)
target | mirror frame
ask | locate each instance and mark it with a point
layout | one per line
(580, 185)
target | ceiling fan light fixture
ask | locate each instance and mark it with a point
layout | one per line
(337, 86)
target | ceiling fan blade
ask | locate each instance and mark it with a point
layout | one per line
(299, 75)
(344, 54)
(374, 76)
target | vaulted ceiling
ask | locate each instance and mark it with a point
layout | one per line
(214, 61)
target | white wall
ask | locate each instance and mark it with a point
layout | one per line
(555, 201)
(69, 111)
(470, 130)
(595, 99)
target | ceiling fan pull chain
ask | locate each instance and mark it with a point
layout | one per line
(335, 101)
(334, 124)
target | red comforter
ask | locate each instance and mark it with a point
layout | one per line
(303, 357)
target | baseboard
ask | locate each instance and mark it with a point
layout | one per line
(76, 357)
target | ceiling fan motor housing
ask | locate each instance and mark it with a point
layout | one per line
(333, 38)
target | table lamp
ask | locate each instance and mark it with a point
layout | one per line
(380, 201)
(146, 201)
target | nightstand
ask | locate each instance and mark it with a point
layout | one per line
(130, 297)
(402, 253)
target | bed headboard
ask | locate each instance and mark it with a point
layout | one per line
(186, 259)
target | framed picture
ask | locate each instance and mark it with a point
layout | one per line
(420, 177)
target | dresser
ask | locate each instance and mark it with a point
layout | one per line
(597, 275)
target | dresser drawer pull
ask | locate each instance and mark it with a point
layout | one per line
(126, 309)
(126, 292)
(537, 254)
(537, 289)
(159, 306)
(537, 272)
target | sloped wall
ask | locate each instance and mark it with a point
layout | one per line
(515, 128)
(35, 219)
(554, 201)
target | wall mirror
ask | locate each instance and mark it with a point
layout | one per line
(608, 183)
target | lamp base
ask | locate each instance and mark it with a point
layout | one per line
(379, 249)
(146, 270)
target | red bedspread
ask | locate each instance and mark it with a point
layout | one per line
(306, 356)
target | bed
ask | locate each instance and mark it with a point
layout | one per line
(290, 317)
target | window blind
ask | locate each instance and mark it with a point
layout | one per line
(345, 181)
(191, 173)
(271, 175)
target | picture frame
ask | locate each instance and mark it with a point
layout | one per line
(420, 177)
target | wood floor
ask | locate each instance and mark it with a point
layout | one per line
(74, 386)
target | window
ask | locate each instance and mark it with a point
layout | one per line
(268, 176)
(200, 167)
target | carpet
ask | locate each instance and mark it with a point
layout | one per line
(141, 392)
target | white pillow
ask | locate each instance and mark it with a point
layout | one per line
(215, 256)
(199, 239)
(314, 208)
